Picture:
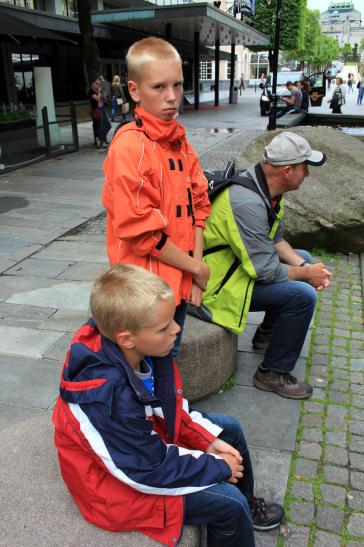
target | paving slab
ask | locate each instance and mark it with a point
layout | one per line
(27, 342)
(278, 417)
(35, 267)
(72, 250)
(17, 315)
(10, 243)
(83, 271)
(29, 382)
(58, 351)
(64, 320)
(73, 296)
(247, 363)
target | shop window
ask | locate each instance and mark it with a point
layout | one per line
(205, 70)
(23, 65)
(69, 8)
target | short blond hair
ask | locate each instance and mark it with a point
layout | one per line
(148, 50)
(125, 298)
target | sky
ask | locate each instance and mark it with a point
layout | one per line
(322, 5)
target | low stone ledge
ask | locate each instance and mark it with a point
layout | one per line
(36, 507)
(207, 358)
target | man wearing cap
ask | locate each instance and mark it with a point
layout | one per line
(254, 269)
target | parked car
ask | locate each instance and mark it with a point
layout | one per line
(317, 93)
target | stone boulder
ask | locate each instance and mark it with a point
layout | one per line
(327, 211)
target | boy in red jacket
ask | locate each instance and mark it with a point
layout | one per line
(155, 192)
(132, 453)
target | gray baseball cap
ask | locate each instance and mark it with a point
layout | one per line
(288, 149)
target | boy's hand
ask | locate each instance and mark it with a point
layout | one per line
(202, 276)
(236, 467)
(219, 447)
(196, 295)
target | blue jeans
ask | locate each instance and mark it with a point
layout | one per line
(104, 126)
(115, 108)
(224, 507)
(360, 95)
(179, 317)
(289, 307)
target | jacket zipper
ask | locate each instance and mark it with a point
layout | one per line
(245, 299)
(227, 276)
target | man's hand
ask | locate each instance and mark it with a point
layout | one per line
(196, 295)
(202, 276)
(319, 276)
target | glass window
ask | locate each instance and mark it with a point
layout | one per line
(23, 64)
(205, 70)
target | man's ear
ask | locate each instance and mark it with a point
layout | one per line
(134, 90)
(125, 339)
(287, 169)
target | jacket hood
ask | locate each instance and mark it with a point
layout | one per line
(165, 132)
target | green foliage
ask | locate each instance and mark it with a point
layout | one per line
(293, 14)
(318, 49)
(361, 45)
(346, 51)
(355, 52)
(13, 116)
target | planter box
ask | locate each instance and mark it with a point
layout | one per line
(16, 125)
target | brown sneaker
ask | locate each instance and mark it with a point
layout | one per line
(284, 384)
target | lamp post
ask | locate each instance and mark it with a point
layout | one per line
(273, 110)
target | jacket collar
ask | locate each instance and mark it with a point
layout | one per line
(164, 132)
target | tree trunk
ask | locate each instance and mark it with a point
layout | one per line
(90, 50)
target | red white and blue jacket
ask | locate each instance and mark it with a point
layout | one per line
(128, 457)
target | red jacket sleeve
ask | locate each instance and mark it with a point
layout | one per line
(196, 432)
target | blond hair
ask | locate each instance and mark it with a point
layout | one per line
(125, 298)
(116, 79)
(148, 50)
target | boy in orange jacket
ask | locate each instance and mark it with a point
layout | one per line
(155, 192)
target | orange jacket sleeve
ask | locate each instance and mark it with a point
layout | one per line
(199, 188)
(132, 197)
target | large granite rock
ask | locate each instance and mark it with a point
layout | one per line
(327, 211)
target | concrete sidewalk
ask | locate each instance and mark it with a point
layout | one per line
(48, 260)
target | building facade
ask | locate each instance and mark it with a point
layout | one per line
(343, 22)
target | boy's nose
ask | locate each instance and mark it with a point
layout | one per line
(175, 327)
(171, 97)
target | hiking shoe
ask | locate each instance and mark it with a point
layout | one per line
(284, 384)
(265, 515)
(261, 338)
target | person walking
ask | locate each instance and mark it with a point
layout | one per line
(117, 97)
(100, 122)
(241, 84)
(360, 90)
(338, 96)
(350, 82)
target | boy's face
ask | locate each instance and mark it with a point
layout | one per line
(159, 89)
(158, 339)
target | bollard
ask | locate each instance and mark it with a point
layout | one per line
(47, 135)
(74, 125)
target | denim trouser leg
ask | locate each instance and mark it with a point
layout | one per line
(269, 318)
(224, 507)
(179, 317)
(114, 107)
(290, 305)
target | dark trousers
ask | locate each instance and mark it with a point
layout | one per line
(224, 508)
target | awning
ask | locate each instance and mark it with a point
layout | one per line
(182, 22)
(12, 26)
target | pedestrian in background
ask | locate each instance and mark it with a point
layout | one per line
(350, 82)
(360, 90)
(242, 84)
(305, 89)
(100, 122)
(338, 96)
(117, 97)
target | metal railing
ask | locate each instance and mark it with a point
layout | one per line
(25, 142)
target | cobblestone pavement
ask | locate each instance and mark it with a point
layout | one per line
(325, 493)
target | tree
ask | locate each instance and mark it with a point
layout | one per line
(90, 49)
(361, 45)
(355, 52)
(293, 13)
(346, 51)
(307, 54)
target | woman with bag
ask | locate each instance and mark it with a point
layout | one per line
(338, 96)
(100, 122)
(117, 97)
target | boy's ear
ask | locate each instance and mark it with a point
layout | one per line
(125, 339)
(134, 90)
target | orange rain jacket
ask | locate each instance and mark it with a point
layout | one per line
(154, 192)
